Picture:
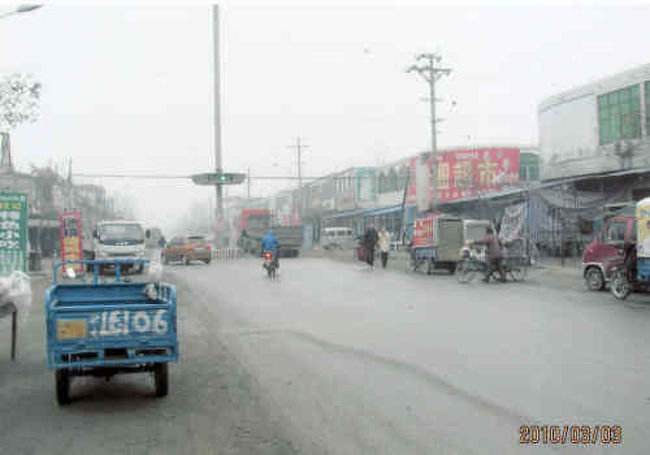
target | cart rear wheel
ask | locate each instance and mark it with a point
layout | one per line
(465, 272)
(62, 381)
(162, 379)
(518, 272)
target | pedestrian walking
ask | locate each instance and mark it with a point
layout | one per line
(384, 245)
(370, 240)
(494, 255)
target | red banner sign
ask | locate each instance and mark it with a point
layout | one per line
(70, 238)
(423, 234)
(468, 173)
(464, 173)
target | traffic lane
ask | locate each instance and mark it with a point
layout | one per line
(544, 354)
(213, 406)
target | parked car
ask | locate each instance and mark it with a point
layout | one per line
(337, 238)
(187, 248)
(607, 249)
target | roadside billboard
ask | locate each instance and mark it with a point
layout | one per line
(13, 232)
(462, 174)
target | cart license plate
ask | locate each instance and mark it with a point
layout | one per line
(67, 329)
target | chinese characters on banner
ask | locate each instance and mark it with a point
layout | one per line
(474, 172)
(423, 231)
(13, 232)
(463, 174)
(70, 238)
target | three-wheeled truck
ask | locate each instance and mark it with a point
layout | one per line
(100, 328)
(437, 240)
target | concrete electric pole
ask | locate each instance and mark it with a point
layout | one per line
(217, 109)
(426, 67)
(299, 146)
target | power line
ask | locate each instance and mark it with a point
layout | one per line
(187, 177)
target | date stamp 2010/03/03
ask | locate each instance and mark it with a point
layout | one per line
(570, 434)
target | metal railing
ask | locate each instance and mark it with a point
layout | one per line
(226, 254)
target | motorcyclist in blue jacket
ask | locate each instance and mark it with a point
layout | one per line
(270, 243)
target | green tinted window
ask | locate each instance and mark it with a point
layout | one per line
(619, 114)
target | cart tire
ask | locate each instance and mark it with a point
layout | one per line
(62, 381)
(620, 287)
(465, 272)
(161, 374)
(518, 273)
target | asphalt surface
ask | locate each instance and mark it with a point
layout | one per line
(336, 359)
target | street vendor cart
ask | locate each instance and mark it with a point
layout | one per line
(100, 328)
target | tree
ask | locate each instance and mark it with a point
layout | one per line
(19, 97)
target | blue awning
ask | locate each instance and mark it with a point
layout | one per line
(368, 212)
(384, 210)
(345, 214)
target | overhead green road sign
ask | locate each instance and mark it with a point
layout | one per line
(218, 178)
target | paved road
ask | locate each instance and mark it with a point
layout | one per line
(335, 359)
(385, 362)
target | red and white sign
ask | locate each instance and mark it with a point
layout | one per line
(463, 174)
(70, 238)
(423, 231)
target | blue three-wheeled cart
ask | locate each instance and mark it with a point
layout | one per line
(97, 328)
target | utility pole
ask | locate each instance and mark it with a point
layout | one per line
(217, 108)
(298, 147)
(248, 193)
(427, 68)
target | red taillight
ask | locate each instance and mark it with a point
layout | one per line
(268, 255)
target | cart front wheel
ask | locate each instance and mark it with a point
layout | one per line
(62, 380)
(518, 272)
(162, 379)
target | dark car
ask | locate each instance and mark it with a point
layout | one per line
(187, 248)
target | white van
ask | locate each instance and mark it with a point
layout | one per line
(337, 238)
(119, 240)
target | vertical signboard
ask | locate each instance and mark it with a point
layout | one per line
(70, 238)
(643, 228)
(13, 232)
(423, 231)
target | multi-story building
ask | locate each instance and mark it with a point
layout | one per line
(599, 127)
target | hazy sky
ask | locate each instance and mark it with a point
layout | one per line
(127, 87)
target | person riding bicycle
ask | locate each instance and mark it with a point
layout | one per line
(270, 243)
(494, 254)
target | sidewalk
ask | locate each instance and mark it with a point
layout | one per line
(547, 269)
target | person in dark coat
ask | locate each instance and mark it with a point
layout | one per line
(494, 255)
(370, 240)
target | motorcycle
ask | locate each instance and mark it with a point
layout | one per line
(270, 264)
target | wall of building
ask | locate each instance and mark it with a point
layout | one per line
(597, 127)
